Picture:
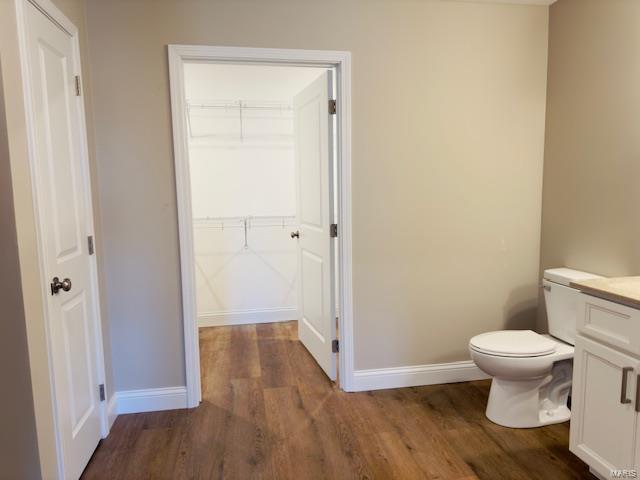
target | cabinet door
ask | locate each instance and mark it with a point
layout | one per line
(603, 418)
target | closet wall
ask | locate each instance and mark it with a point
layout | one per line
(243, 190)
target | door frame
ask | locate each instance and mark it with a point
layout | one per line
(341, 61)
(52, 12)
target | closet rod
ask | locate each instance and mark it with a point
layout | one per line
(248, 217)
(233, 106)
(246, 223)
(249, 226)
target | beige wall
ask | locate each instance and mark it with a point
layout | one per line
(448, 128)
(592, 152)
(31, 281)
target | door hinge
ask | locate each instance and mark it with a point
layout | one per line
(333, 108)
(335, 346)
(91, 245)
(101, 391)
(333, 232)
(78, 89)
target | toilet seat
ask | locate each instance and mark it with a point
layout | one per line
(513, 343)
(531, 377)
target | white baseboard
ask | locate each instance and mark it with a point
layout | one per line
(245, 317)
(150, 400)
(112, 410)
(417, 375)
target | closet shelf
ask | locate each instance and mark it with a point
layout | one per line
(243, 111)
(239, 145)
(251, 221)
(246, 223)
(240, 105)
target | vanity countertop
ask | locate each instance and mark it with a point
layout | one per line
(624, 290)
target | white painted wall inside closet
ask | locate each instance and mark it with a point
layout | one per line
(241, 160)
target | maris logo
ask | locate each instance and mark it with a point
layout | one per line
(624, 473)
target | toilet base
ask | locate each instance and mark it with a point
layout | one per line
(530, 403)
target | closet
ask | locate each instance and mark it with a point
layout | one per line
(242, 168)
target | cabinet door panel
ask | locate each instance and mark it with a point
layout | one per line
(609, 322)
(603, 427)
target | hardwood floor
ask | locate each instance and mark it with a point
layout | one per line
(268, 412)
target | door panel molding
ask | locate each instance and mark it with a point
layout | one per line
(341, 61)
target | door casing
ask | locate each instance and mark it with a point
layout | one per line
(341, 62)
(49, 461)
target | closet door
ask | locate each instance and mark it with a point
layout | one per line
(314, 184)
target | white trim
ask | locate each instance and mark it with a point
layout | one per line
(596, 474)
(244, 317)
(417, 375)
(150, 400)
(341, 61)
(185, 229)
(112, 410)
(52, 12)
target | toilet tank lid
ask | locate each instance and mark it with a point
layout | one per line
(564, 276)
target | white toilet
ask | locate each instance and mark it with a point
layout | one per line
(532, 372)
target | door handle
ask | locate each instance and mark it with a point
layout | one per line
(57, 285)
(295, 234)
(623, 387)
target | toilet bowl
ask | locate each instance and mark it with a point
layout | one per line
(532, 372)
(531, 377)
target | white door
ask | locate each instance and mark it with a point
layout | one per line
(603, 416)
(64, 213)
(314, 183)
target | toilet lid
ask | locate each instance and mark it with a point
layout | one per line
(513, 343)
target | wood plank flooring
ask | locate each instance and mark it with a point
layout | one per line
(268, 412)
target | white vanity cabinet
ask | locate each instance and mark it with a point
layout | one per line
(605, 407)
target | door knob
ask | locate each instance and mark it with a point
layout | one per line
(57, 285)
(295, 234)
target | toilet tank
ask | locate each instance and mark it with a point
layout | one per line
(561, 301)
